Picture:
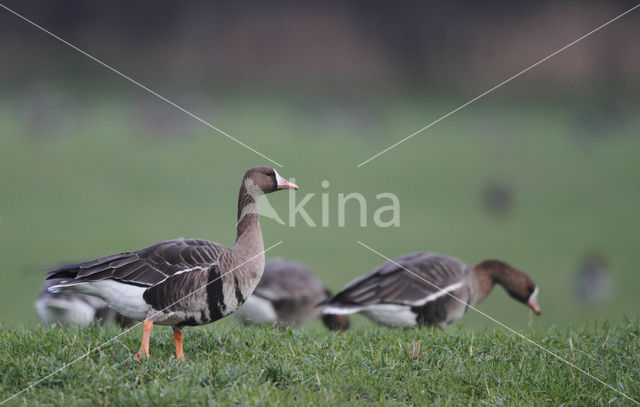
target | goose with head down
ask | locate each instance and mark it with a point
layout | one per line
(428, 289)
(182, 282)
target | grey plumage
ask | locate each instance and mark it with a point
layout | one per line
(182, 282)
(413, 297)
(169, 271)
(287, 294)
(592, 281)
(428, 289)
(391, 283)
(146, 267)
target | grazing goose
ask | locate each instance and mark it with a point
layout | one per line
(287, 294)
(73, 308)
(182, 282)
(392, 296)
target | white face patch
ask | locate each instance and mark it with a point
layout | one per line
(533, 296)
(279, 180)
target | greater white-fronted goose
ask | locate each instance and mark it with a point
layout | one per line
(287, 295)
(74, 308)
(393, 296)
(182, 282)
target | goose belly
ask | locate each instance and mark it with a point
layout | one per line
(187, 312)
(393, 315)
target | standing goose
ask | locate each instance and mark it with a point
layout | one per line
(182, 282)
(390, 295)
(287, 294)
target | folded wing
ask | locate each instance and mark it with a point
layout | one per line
(414, 280)
(146, 267)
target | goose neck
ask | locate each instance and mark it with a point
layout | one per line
(248, 233)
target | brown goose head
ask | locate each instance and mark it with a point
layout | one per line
(264, 180)
(515, 282)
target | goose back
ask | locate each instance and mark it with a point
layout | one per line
(418, 288)
(412, 279)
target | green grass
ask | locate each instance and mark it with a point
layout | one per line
(229, 365)
(108, 181)
(115, 180)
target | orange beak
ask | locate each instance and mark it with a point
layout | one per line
(283, 183)
(533, 304)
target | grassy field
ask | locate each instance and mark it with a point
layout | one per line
(227, 365)
(82, 178)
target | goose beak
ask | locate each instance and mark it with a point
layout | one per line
(533, 304)
(284, 184)
(533, 301)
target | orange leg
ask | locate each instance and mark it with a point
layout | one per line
(177, 338)
(147, 326)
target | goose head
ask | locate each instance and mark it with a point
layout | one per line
(264, 180)
(517, 284)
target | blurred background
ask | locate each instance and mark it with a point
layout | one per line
(543, 172)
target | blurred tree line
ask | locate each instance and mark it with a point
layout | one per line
(332, 43)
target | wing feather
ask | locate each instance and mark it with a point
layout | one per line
(148, 266)
(391, 283)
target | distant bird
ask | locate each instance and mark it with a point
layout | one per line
(182, 282)
(592, 282)
(287, 294)
(498, 197)
(73, 308)
(393, 296)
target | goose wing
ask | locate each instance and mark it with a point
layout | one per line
(146, 267)
(414, 279)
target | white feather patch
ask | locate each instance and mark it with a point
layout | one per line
(124, 298)
(534, 295)
(256, 310)
(340, 310)
(391, 315)
(435, 296)
(65, 311)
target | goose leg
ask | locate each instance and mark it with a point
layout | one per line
(177, 339)
(147, 326)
